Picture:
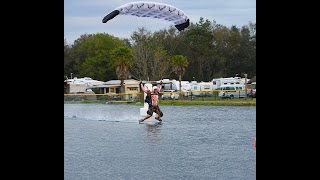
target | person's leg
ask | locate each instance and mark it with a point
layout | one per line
(141, 120)
(160, 112)
(156, 110)
(150, 110)
(149, 114)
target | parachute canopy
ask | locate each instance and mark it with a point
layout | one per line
(154, 10)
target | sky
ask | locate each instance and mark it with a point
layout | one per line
(85, 16)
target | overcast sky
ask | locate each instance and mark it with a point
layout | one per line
(85, 16)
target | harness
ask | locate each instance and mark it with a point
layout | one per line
(148, 100)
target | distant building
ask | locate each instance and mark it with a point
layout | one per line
(80, 85)
(112, 87)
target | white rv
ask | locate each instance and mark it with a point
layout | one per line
(81, 85)
(232, 91)
(196, 88)
(174, 86)
(231, 81)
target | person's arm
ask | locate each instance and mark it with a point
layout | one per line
(160, 86)
(142, 88)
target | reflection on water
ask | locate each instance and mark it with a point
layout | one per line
(107, 142)
(153, 129)
(153, 132)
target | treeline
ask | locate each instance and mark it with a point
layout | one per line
(212, 51)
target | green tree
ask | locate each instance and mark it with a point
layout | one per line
(213, 51)
(91, 55)
(198, 42)
(141, 52)
(122, 60)
(180, 63)
(151, 61)
(68, 63)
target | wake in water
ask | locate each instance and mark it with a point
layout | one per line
(123, 117)
(103, 113)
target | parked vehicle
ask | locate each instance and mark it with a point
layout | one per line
(228, 91)
(168, 94)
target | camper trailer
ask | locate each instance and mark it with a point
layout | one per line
(232, 91)
(174, 86)
(197, 88)
(231, 81)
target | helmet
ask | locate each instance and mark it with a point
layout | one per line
(155, 87)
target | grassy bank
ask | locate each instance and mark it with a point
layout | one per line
(86, 102)
(220, 102)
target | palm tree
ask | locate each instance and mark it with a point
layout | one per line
(122, 60)
(180, 63)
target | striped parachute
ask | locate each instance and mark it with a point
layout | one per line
(152, 10)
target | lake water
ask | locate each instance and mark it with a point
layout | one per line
(104, 141)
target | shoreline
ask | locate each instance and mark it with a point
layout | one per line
(220, 102)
